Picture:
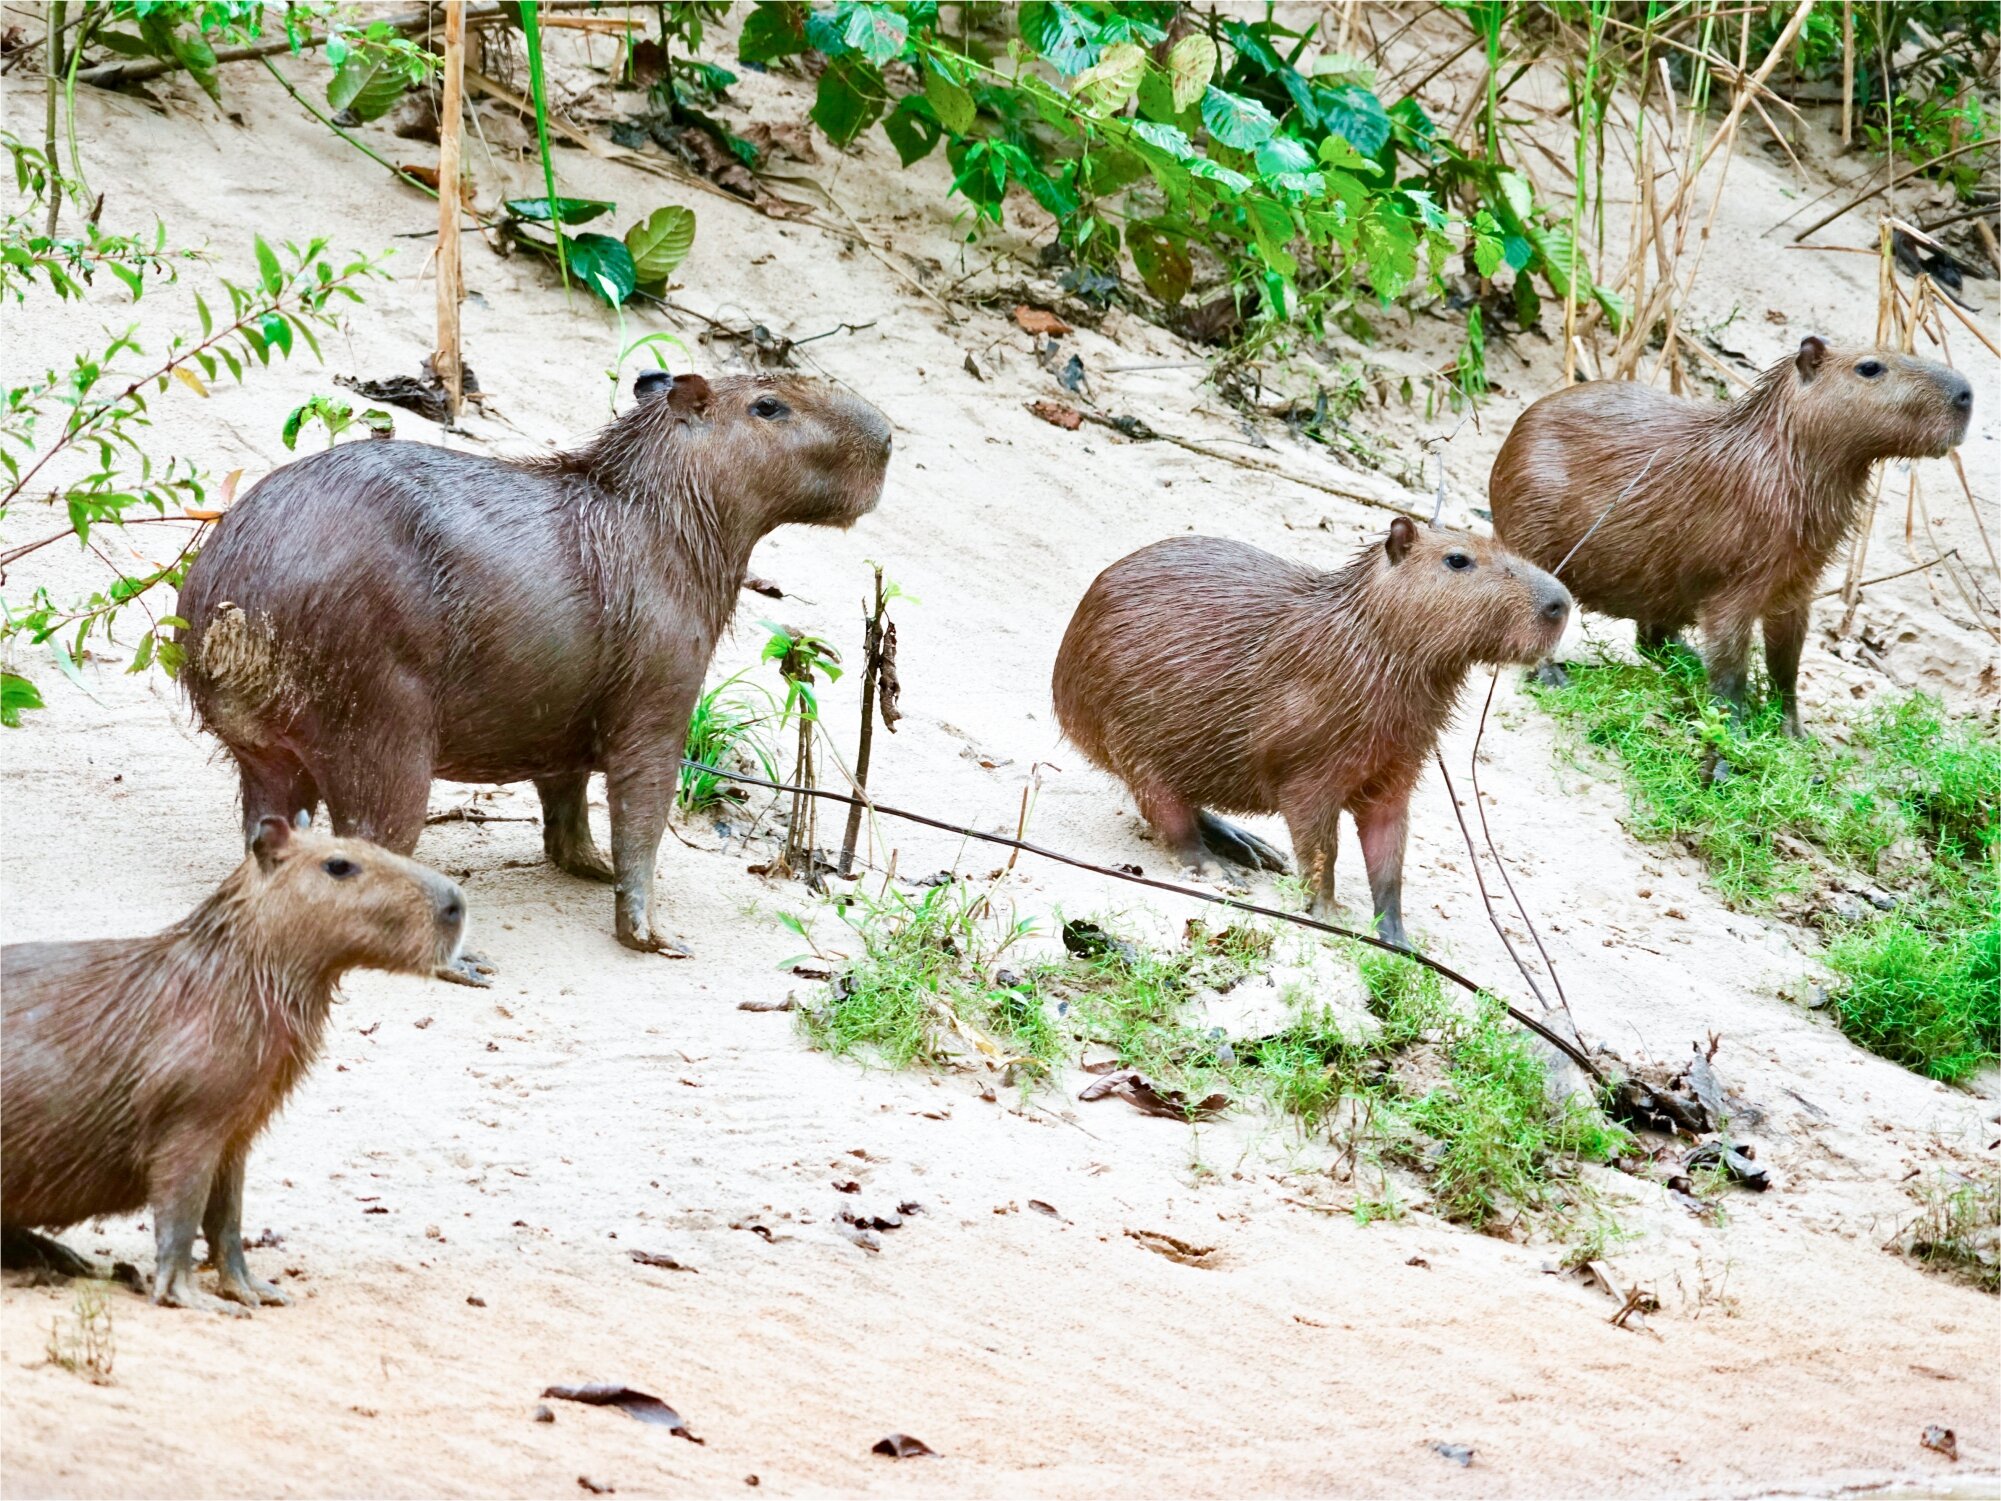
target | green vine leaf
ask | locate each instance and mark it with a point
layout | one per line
(569, 210)
(851, 98)
(1191, 63)
(876, 32)
(1061, 33)
(1162, 262)
(660, 242)
(1356, 115)
(605, 266)
(1240, 123)
(949, 100)
(1108, 83)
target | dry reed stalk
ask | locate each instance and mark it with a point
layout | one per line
(449, 362)
(1847, 72)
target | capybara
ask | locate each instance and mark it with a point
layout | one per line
(1720, 514)
(138, 1071)
(1207, 674)
(383, 613)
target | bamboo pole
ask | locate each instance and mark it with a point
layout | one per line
(54, 88)
(449, 362)
(1847, 71)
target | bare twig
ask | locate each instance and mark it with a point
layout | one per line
(1883, 187)
(1884, 578)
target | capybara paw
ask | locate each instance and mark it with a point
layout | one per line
(1551, 675)
(24, 1250)
(252, 1292)
(1791, 728)
(1241, 847)
(181, 1292)
(646, 941)
(467, 969)
(584, 862)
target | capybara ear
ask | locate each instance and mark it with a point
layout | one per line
(1812, 351)
(650, 383)
(273, 835)
(690, 394)
(1403, 532)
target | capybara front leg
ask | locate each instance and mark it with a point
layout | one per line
(1226, 841)
(640, 798)
(21, 1249)
(1785, 639)
(1726, 657)
(1315, 823)
(1383, 827)
(276, 784)
(222, 1228)
(566, 827)
(180, 1190)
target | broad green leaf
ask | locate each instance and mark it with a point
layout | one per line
(912, 128)
(660, 242)
(1156, 98)
(851, 98)
(1191, 63)
(1517, 251)
(1487, 254)
(572, 210)
(1105, 172)
(268, 269)
(1283, 156)
(771, 31)
(949, 100)
(1272, 227)
(1109, 82)
(1162, 262)
(277, 332)
(605, 266)
(1517, 194)
(1236, 121)
(1356, 115)
(369, 83)
(876, 32)
(17, 696)
(1061, 33)
(1169, 138)
(1216, 172)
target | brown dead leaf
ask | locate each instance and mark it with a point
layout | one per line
(1174, 1248)
(1152, 1098)
(903, 1446)
(644, 1406)
(762, 586)
(1036, 320)
(792, 139)
(428, 176)
(1941, 1441)
(1056, 414)
(659, 1259)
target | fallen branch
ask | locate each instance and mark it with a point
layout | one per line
(1569, 1049)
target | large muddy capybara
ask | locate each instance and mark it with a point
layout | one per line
(1717, 514)
(138, 1071)
(383, 613)
(1207, 674)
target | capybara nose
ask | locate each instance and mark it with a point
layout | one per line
(451, 909)
(1555, 603)
(1962, 394)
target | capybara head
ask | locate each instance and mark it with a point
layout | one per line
(1873, 404)
(1468, 599)
(310, 901)
(793, 448)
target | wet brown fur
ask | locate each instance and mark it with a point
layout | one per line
(1208, 674)
(1743, 504)
(383, 613)
(138, 1071)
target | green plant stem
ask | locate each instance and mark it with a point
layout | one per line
(361, 146)
(531, 31)
(53, 87)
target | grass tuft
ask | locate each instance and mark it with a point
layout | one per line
(727, 729)
(1905, 799)
(1958, 1229)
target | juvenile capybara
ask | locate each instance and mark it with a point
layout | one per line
(383, 613)
(138, 1071)
(1207, 674)
(1737, 506)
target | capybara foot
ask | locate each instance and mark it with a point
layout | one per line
(1790, 726)
(467, 969)
(584, 862)
(179, 1291)
(251, 1291)
(642, 937)
(24, 1250)
(1551, 674)
(1239, 846)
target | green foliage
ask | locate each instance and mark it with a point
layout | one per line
(1905, 796)
(727, 730)
(1958, 1228)
(928, 985)
(612, 268)
(79, 432)
(336, 416)
(799, 655)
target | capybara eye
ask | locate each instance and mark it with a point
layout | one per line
(1458, 562)
(768, 406)
(340, 868)
(1869, 369)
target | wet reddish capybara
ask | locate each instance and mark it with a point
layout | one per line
(1721, 514)
(138, 1071)
(1207, 674)
(383, 613)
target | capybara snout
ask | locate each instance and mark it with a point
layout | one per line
(1481, 599)
(373, 908)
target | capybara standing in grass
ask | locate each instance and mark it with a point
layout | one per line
(138, 1071)
(1208, 674)
(1720, 514)
(383, 613)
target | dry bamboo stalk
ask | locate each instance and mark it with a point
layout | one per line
(1847, 72)
(449, 362)
(1887, 296)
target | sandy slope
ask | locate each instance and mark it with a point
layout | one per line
(596, 1101)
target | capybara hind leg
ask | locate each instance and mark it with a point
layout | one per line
(1659, 639)
(1177, 823)
(1226, 841)
(21, 1249)
(1785, 639)
(179, 1199)
(566, 828)
(222, 1228)
(640, 797)
(1383, 828)
(276, 784)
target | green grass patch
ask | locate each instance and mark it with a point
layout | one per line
(1958, 1229)
(727, 729)
(1904, 799)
